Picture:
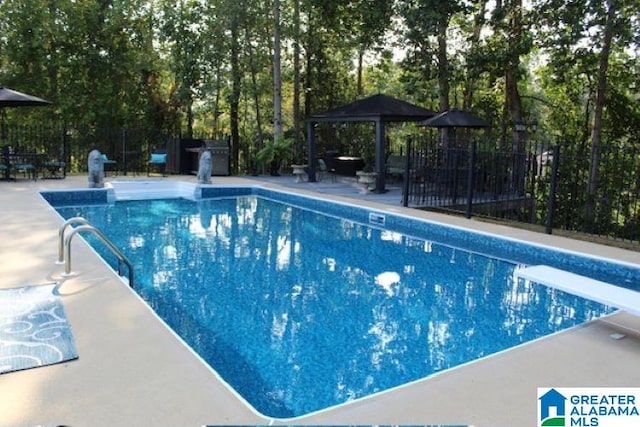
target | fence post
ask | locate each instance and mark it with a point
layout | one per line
(66, 151)
(407, 172)
(472, 166)
(552, 189)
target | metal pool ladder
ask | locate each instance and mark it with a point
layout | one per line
(64, 245)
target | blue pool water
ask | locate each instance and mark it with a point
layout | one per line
(299, 311)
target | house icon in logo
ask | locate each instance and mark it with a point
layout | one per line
(552, 399)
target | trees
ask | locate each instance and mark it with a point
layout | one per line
(427, 25)
(94, 59)
(210, 67)
(586, 40)
(277, 73)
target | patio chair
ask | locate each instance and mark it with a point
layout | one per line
(395, 167)
(53, 165)
(25, 164)
(109, 165)
(54, 169)
(158, 162)
(323, 171)
(27, 169)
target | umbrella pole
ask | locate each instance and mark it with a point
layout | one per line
(3, 144)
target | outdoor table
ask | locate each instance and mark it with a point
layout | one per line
(347, 165)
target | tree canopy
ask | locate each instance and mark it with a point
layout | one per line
(206, 66)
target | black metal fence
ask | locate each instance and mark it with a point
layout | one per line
(610, 205)
(542, 183)
(128, 149)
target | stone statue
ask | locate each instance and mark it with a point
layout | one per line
(96, 169)
(205, 168)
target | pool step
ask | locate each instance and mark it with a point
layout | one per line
(153, 189)
(585, 287)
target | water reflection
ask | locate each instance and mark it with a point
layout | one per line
(299, 311)
(387, 280)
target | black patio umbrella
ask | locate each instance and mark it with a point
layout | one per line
(455, 119)
(13, 98)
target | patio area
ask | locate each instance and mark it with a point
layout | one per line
(132, 370)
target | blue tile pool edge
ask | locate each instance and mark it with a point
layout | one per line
(79, 196)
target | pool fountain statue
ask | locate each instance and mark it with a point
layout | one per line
(96, 169)
(205, 168)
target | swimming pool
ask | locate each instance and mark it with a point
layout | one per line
(300, 310)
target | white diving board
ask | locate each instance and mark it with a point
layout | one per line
(585, 287)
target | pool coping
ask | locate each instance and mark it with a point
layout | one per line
(123, 347)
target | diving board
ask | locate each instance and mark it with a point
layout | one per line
(585, 287)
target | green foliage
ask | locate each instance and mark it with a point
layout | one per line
(274, 153)
(205, 67)
(95, 60)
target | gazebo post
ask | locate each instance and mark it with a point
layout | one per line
(311, 150)
(406, 174)
(380, 151)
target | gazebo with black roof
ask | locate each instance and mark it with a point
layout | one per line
(379, 109)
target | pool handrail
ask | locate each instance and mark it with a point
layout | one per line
(87, 226)
(61, 231)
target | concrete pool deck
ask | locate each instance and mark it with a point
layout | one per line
(132, 371)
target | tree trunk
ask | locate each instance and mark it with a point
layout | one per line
(296, 80)
(234, 101)
(189, 108)
(443, 65)
(512, 96)
(360, 86)
(216, 103)
(447, 135)
(600, 100)
(277, 79)
(514, 103)
(309, 75)
(256, 100)
(478, 24)
(513, 100)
